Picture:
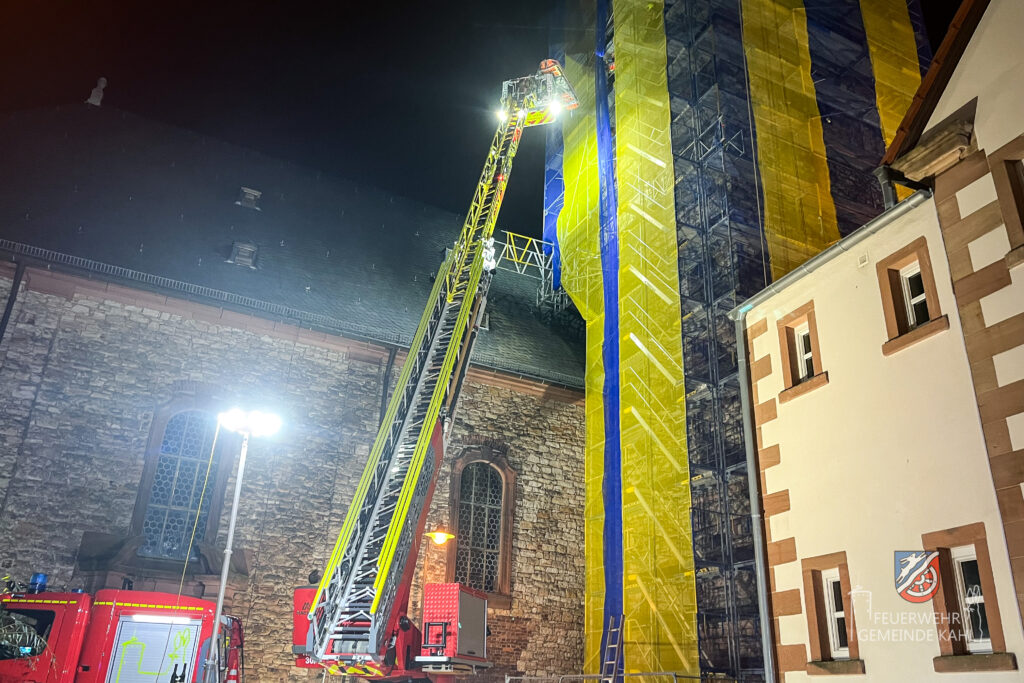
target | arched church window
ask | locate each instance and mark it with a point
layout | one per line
(479, 537)
(182, 475)
(483, 486)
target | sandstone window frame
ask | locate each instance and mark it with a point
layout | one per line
(816, 604)
(797, 382)
(219, 476)
(501, 598)
(954, 653)
(892, 272)
(1007, 165)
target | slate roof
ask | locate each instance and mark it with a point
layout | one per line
(113, 187)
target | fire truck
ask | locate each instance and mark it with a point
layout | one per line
(355, 622)
(114, 636)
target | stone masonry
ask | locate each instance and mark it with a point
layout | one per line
(85, 365)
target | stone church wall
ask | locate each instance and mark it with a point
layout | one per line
(85, 366)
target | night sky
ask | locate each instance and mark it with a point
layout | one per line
(398, 95)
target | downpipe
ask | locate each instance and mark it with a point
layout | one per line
(754, 485)
(12, 296)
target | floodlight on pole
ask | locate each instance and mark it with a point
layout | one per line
(252, 423)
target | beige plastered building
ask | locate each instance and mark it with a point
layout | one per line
(886, 389)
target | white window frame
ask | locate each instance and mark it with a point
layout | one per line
(908, 301)
(959, 555)
(804, 359)
(833, 613)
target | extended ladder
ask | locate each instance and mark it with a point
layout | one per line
(352, 610)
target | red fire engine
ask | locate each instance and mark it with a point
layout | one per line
(116, 636)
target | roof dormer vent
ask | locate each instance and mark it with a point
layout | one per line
(243, 254)
(249, 198)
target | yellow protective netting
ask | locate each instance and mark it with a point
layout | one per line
(893, 50)
(799, 214)
(579, 242)
(659, 594)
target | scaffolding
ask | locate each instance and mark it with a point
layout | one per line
(779, 110)
(775, 131)
(722, 260)
(659, 597)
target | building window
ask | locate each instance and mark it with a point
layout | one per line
(483, 487)
(971, 598)
(1008, 176)
(967, 617)
(830, 617)
(914, 300)
(243, 254)
(180, 490)
(249, 198)
(910, 301)
(801, 355)
(804, 355)
(835, 614)
(183, 483)
(479, 537)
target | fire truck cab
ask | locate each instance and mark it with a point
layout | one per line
(116, 636)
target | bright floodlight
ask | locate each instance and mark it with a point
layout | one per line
(501, 114)
(254, 423)
(233, 420)
(555, 107)
(263, 424)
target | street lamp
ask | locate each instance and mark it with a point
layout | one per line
(252, 423)
(439, 536)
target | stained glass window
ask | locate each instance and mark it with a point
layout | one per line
(174, 499)
(478, 543)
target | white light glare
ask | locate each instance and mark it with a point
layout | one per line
(501, 114)
(160, 619)
(264, 424)
(233, 420)
(521, 113)
(555, 108)
(256, 423)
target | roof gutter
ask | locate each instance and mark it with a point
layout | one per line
(842, 246)
(739, 315)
